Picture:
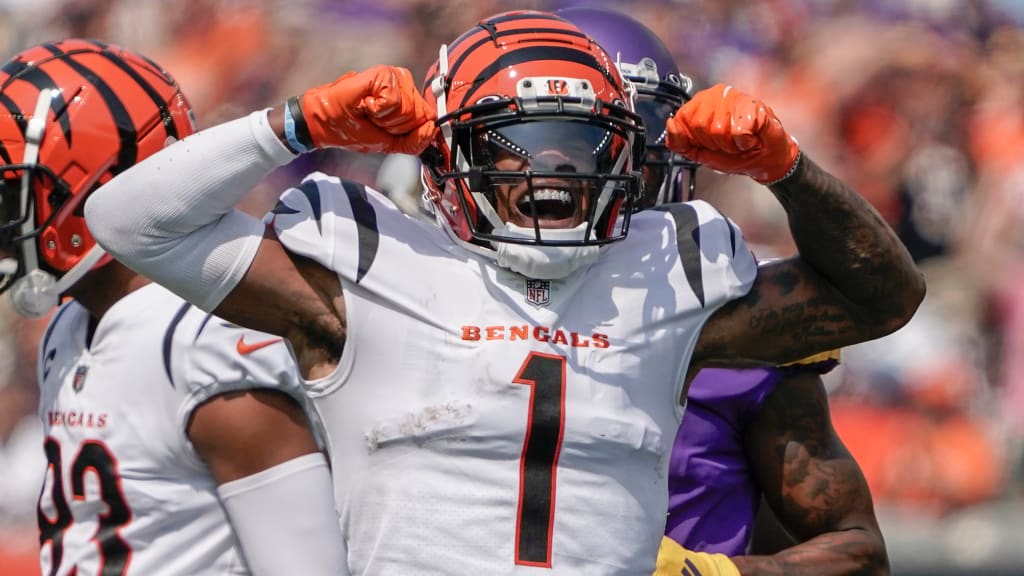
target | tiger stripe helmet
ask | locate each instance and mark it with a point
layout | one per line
(519, 83)
(73, 114)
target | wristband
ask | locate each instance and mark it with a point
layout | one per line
(792, 170)
(296, 132)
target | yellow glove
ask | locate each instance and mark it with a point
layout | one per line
(674, 560)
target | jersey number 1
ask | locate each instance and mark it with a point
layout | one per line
(92, 457)
(538, 466)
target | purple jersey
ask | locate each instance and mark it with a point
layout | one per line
(713, 496)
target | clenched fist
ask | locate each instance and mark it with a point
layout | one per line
(376, 110)
(730, 131)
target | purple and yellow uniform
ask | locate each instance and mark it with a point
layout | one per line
(713, 496)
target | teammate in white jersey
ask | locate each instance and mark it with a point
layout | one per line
(177, 443)
(501, 392)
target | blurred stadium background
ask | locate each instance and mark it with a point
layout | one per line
(917, 103)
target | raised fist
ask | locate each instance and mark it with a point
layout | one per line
(376, 110)
(734, 132)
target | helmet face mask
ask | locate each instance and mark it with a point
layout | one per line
(544, 169)
(74, 114)
(657, 99)
(17, 207)
(537, 136)
(20, 185)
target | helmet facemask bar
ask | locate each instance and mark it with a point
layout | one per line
(566, 152)
(664, 170)
(18, 233)
(657, 99)
(668, 177)
(35, 290)
(604, 195)
(16, 228)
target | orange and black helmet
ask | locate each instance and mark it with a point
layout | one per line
(73, 114)
(521, 84)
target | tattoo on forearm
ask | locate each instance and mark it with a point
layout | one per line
(790, 294)
(823, 499)
(824, 212)
(836, 554)
(821, 478)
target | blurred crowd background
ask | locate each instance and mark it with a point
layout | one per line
(919, 104)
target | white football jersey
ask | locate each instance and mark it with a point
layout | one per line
(125, 493)
(481, 422)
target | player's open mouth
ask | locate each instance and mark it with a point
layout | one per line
(553, 206)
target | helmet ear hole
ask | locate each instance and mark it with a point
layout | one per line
(57, 197)
(432, 161)
(432, 158)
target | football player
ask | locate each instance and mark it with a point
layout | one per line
(501, 392)
(745, 431)
(176, 442)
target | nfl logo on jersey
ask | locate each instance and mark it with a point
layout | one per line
(538, 292)
(79, 380)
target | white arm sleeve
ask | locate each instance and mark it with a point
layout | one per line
(171, 217)
(286, 520)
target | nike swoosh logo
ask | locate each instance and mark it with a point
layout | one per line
(247, 348)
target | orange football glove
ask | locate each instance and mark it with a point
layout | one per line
(674, 560)
(730, 131)
(376, 110)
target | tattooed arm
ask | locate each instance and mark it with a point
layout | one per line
(814, 487)
(853, 280)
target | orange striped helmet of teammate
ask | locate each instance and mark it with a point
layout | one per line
(73, 114)
(538, 144)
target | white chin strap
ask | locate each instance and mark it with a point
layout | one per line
(544, 262)
(37, 292)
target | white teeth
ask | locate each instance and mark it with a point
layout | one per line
(562, 196)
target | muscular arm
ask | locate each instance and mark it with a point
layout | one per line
(272, 481)
(853, 280)
(298, 299)
(813, 485)
(172, 219)
(241, 433)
